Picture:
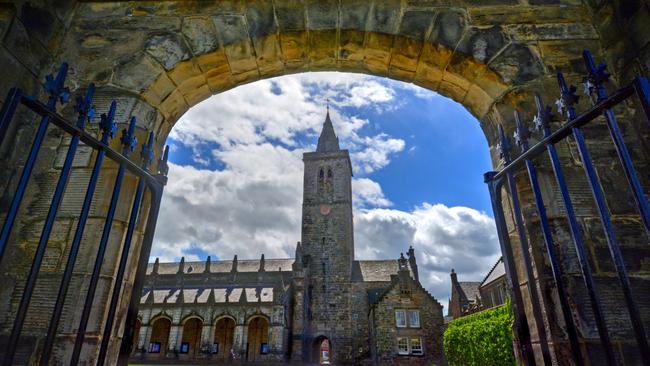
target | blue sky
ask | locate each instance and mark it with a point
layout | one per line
(418, 158)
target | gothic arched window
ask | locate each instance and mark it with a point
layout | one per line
(321, 179)
(328, 181)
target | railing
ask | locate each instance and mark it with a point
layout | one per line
(54, 86)
(594, 87)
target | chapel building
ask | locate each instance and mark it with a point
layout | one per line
(322, 306)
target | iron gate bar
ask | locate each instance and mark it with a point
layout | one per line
(107, 125)
(156, 192)
(54, 86)
(91, 141)
(566, 102)
(512, 279)
(521, 137)
(597, 77)
(128, 143)
(86, 113)
(8, 110)
(542, 122)
(504, 147)
(147, 157)
(566, 129)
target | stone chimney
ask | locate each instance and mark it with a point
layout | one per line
(413, 264)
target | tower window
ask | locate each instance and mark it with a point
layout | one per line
(321, 179)
(323, 241)
(328, 181)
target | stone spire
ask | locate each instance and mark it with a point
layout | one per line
(328, 142)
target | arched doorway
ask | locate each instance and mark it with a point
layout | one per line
(191, 340)
(224, 335)
(160, 336)
(257, 345)
(321, 350)
(136, 334)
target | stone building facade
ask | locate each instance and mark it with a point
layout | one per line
(322, 305)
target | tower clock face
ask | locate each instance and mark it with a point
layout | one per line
(325, 210)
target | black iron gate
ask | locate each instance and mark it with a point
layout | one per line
(603, 104)
(152, 183)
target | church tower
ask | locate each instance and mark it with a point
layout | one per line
(327, 235)
(323, 275)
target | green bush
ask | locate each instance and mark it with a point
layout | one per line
(483, 338)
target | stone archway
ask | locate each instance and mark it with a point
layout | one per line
(159, 59)
(159, 336)
(321, 350)
(224, 336)
(191, 341)
(136, 333)
(257, 341)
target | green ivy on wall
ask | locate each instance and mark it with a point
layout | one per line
(482, 339)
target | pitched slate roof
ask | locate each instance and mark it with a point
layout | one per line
(470, 290)
(201, 296)
(375, 270)
(497, 271)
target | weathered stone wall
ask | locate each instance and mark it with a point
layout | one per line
(210, 310)
(209, 314)
(160, 58)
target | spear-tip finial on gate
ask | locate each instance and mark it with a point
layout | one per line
(544, 115)
(147, 152)
(84, 107)
(567, 98)
(129, 141)
(596, 77)
(163, 167)
(503, 146)
(107, 123)
(522, 134)
(55, 86)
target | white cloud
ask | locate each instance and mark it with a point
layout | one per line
(443, 238)
(376, 153)
(285, 108)
(366, 192)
